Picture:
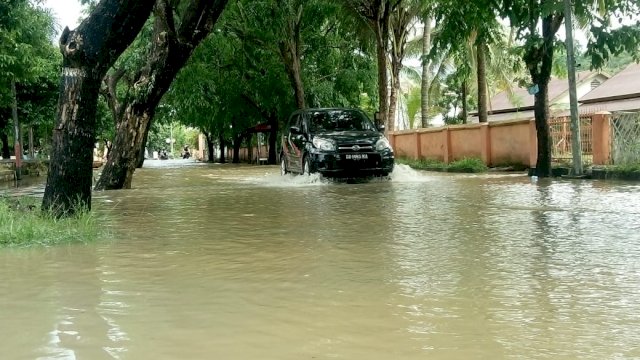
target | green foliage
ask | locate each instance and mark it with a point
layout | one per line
(422, 164)
(28, 57)
(23, 225)
(162, 130)
(237, 79)
(466, 165)
(25, 47)
(413, 99)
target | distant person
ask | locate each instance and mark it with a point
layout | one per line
(186, 153)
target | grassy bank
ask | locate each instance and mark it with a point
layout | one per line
(618, 172)
(468, 165)
(22, 224)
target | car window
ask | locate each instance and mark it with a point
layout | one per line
(295, 120)
(339, 120)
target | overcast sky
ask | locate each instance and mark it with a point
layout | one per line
(67, 12)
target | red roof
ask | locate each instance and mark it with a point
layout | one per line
(523, 100)
(623, 85)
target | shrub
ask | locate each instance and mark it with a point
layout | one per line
(467, 165)
(23, 224)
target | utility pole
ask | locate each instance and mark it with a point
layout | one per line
(16, 127)
(576, 147)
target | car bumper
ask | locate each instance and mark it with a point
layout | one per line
(338, 165)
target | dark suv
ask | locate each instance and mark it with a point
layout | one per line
(335, 142)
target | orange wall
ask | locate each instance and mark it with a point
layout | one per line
(405, 145)
(465, 142)
(496, 143)
(510, 143)
(432, 144)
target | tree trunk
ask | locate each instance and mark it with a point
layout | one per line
(395, 90)
(482, 82)
(122, 160)
(465, 103)
(237, 144)
(88, 52)
(383, 93)
(222, 148)
(290, 50)
(273, 140)
(17, 148)
(541, 112)
(6, 152)
(210, 151)
(424, 87)
(171, 49)
(539, 61)
(143, 151)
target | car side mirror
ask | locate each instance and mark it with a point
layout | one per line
(295, 130)
(381, 127)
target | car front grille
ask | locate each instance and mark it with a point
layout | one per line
(343, 148)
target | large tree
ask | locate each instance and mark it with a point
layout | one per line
(88, 52)
(377, 14)
(179, 27)
(402, 19)
(537, 23)
(26, 58)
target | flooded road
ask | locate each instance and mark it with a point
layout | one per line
(226, 262)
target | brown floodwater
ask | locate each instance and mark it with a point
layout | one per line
(237, 262)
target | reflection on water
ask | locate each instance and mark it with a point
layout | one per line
(237, 262)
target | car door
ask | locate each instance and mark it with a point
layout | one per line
(293, 144)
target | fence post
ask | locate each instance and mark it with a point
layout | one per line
(447, 145)
(418, 144)
(533, 144)
(485, 144)
(601, 130)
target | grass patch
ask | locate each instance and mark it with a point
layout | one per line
(624, 169)
(22, 224)
(467, 165)
(422, 164)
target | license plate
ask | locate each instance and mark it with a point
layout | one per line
(356, 156)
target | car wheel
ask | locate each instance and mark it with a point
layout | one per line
(283, 165)
(306, 170)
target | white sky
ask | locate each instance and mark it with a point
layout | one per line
(67, 12)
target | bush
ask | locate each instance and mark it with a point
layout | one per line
(467, 165)
(23, 225)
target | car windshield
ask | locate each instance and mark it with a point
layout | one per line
(339, 120)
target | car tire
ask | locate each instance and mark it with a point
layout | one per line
(283, 165)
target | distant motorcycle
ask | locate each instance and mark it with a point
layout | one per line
(163, 155)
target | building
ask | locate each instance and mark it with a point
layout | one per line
(519, 105)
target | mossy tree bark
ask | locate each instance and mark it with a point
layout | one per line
(88, 52)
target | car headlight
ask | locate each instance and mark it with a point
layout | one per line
(324, 144)
(383, 144)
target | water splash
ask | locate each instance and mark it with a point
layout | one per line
(404, 174)
(289, 180)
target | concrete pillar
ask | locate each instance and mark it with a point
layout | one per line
(533, 144)
(485, 143)
(446, 140)
(601, 138)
